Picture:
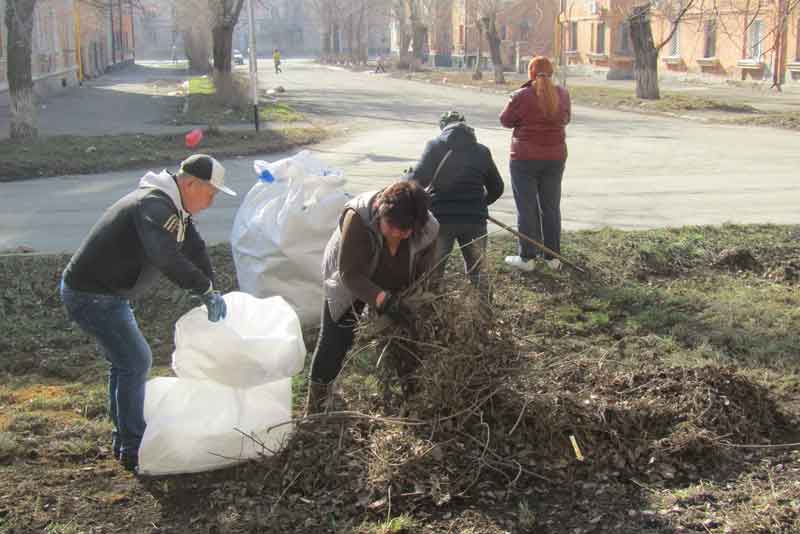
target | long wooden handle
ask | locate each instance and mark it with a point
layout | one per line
(538, 245)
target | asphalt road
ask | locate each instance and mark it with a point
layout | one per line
(624, 170)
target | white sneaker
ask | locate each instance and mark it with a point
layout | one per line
(554, 264)
(518, 263)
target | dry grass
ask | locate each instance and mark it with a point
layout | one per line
(656, 365)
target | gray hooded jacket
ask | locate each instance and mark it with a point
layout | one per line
(337, 294)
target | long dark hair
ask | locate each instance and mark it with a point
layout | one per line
(404, 205)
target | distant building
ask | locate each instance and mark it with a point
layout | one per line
(282, 24)
(156, 31)
(525, 29)
(55, 60)
(734, 43)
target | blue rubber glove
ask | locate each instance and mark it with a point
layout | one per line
(216, 306)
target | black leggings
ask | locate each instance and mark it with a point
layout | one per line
(335, 339)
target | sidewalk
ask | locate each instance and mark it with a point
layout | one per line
(132, 100)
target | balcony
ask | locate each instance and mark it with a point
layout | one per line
(672, 60)
(596, 57)
(750, 64)
(708, 62)
(794, 66)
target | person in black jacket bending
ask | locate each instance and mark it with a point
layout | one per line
(463, 180)
(147, 232)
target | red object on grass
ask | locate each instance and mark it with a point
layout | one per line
(194, 137)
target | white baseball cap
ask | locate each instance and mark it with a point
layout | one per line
(204, 167)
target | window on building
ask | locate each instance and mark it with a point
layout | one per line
(796, 48)
(524, 30)
(675, 43)
(756, 40)
(710, 47)
(600, 38)
(624, 39)
(461, 35)
(573, 35)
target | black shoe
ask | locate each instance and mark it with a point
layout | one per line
(129, 461)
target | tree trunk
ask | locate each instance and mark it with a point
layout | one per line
(477, 74)
(349, 31)
(197, 51)
(223, 48)
(223, 78)
(645, 65)
(19, 21)
(420, 33)
(494, 48)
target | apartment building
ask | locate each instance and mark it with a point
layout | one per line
(739, 40)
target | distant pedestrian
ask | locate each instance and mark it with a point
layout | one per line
(276, 58)
(174, 53)
(146, 233)
(379, 65)
(539, 113)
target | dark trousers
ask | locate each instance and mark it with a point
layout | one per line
(471, 238)
(537, 193)
(109, 319)
(335, 339)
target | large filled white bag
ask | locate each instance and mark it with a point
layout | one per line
(233, 382)
(281, 229)
(258, 342)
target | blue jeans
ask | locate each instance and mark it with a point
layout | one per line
(109, 319)
(472, 240)
(537, 193)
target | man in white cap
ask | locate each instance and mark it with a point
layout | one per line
(147, 232)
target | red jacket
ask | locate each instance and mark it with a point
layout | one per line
(535, 136)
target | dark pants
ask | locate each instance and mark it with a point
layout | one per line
(537, 193)
(109, 319)
(335, 339)
(471, 238)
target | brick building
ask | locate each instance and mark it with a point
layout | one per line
(733, 43)
(60, 29)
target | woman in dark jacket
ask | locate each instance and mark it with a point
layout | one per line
(538, 112)
(385, 240)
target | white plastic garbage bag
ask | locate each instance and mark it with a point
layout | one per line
(233, 379)
(281, 229)
(258, 342)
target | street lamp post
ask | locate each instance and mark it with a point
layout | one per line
(253, 60)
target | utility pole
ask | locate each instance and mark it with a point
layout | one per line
(133, 33)
(78, 59)
(251, 21)
(121, 44)
(466, 32)
(111, 28)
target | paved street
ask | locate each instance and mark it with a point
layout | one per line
(624, 170)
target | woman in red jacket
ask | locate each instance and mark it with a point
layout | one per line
(538, 112)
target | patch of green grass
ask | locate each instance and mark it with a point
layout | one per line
(62, 528)
(201, 85)
(206, 108)
(402, 524)
(10, 447)
(72, 154)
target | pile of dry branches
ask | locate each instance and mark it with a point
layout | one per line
(489, 411)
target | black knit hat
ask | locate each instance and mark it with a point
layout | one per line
(204, 167)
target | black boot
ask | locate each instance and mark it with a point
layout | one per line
(317, 400)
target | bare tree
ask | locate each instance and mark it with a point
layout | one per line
(19, 21)
(645, 65)
(193, 19)
(225, 15)
(487, 21)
